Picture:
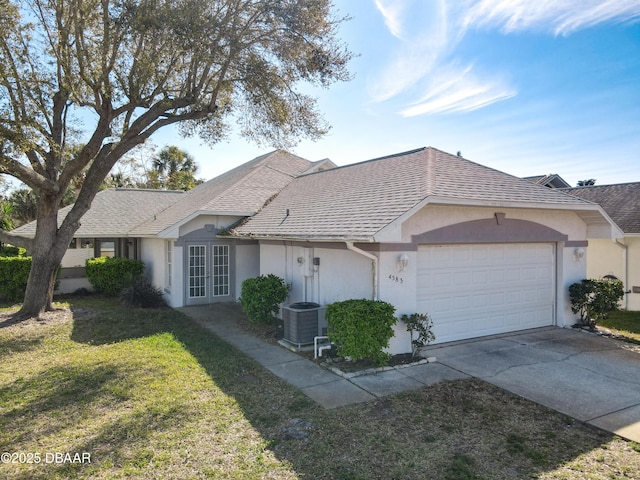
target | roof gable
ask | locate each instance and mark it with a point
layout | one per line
(240, 191)
(357, 201)
(620, 201)
(552, 180)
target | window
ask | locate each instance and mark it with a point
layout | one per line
(220, 270)
(169, 269)
(197, 271)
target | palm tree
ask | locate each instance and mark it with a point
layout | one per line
(174, 169)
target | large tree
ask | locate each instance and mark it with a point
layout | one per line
(108, 74)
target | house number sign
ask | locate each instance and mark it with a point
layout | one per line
(397, 279)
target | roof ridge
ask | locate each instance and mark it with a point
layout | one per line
(261, 159)
(349, 165)
(600, 186)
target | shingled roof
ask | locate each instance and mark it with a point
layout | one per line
(241, 191)
(620, 201)
(115, 212)
(357, 201)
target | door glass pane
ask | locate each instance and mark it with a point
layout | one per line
(197, 271)
(220, 270)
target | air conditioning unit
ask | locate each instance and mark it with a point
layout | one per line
(303, 321)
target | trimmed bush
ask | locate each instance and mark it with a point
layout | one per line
(110, 275)
(361, 329)
(11, 251)
(261, 297)
(594, 299)
(14, 273)
(142, 294)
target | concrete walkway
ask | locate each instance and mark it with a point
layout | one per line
(592, 379)
(319, 384)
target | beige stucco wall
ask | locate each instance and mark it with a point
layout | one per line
(605, 257)
(432, 217)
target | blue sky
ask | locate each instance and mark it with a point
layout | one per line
(521, 86)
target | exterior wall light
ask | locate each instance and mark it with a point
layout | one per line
(578, 254)
(403, 262)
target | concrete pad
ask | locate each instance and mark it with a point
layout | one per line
(242, 341)
(620, 364)
(267, 355)
(431, 373)
(577, 392)
(489, 364)
(336, 394)
(467, 348)
(302, 373)
(625, 423)
(386, 383)
(579, 342)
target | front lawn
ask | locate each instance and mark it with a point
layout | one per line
(150, 394)
(624, 323)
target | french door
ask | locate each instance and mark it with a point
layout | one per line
(208, 273)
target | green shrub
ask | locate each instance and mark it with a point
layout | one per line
(361, 329)
(14, 273)
(594, 299)
(419, 326)
(261, 296)
(11, 251)
(142, 294)
(110, 275)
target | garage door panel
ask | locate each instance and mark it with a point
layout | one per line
(475, 290)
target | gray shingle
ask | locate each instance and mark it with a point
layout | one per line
(115, 212)
(620, 201)
(357, 201)
(244, 189)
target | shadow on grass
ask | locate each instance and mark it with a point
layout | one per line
(464, 429)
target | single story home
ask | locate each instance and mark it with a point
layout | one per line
(482, 252)
(617, 257)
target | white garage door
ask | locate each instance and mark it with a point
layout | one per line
(476, 290)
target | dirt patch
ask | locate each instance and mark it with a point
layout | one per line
(57, 315)
(349, 366)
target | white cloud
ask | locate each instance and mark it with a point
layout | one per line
(392, 13)
(428, 32)
(459, 90)
(562, 17)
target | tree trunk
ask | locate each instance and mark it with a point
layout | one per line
(49, 246)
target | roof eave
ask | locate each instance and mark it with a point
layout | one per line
(173, 231)
(303, 238)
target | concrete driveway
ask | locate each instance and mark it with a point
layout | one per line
(593, 379)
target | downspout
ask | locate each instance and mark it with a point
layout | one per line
(625, 264)
(374, 264)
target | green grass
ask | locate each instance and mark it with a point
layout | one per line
(625, 324)
(151, 394)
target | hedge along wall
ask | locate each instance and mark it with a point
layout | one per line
(109, 275)
(14, 273)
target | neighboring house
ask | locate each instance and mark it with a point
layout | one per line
(480, 251)
(552, 181)
(618, 257)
